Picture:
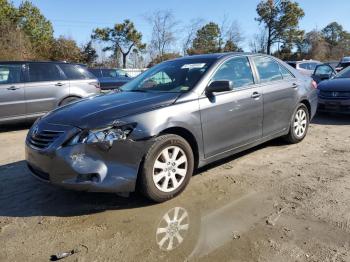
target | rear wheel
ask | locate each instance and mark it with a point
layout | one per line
(299, 125)
(167, 168)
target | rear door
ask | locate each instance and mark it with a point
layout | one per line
(12, 100)
(280, 92)
(82, 82)
(45, 87)
(234, 118)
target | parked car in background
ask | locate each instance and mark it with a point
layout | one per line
(31, 89)
(177, 116)
(334, 90)
(110, 78)
(344, 63)
(306, 67)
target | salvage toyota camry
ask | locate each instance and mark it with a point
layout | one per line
(177, 116)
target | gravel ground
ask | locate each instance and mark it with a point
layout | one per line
(276, 202)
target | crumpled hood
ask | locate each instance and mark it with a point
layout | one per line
(336, 85)
(100, 110)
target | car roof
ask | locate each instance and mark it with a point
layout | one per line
(33, 62)
(302, 61)
(214, 56)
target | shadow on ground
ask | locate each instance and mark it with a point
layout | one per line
(15, 127)
(21, 195)
(331, 119)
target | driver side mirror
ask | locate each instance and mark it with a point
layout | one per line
(219, 86)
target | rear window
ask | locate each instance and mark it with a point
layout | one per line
(76, 72)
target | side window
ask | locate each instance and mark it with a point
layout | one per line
(122, 73)
(237, 70)
(44, 72)
(285, 73)
(75, 72)
(95, 72)
(268, 69)
(10, 74)
(312, 66)
(109, 73)
(305, 66)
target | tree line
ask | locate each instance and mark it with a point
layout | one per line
(26, 34)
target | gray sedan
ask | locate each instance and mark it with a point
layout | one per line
(177, 116)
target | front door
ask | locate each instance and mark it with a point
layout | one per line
(234, 118)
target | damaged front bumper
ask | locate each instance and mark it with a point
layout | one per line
(88, 167)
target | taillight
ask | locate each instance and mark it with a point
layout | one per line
(314, 84)
(95, 84)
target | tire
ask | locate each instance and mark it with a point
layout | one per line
(69, 100)
(299, 125)
(162, 179)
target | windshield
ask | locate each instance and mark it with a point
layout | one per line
(345, 73)
(176, 76)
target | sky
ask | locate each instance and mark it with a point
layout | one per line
(77, 18)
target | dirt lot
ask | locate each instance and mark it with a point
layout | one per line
(276, 202)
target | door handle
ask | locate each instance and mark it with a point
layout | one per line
(59, 84)
(295, 85)
(12, 88)
(256, 95)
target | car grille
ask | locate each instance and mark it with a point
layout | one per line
(335, 94)
(44, 138)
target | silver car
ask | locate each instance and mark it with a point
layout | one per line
(28, 90)
(305, 67)
(177, 116)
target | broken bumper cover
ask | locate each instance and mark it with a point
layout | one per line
(89, 167)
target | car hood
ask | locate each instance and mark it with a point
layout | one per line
(335, 84)
(104, 109)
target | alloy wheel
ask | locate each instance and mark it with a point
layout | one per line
(300, 123)
(170, 169)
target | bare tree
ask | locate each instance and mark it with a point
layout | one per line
(234, 33)
(230, 32)
(258, 44)
(163, 32)
(191, 31)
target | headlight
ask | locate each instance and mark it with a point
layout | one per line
(108, 134)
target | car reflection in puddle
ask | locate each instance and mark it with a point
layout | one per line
(190, 232)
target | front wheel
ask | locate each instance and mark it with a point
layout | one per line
(167, 169)
(299, 125)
